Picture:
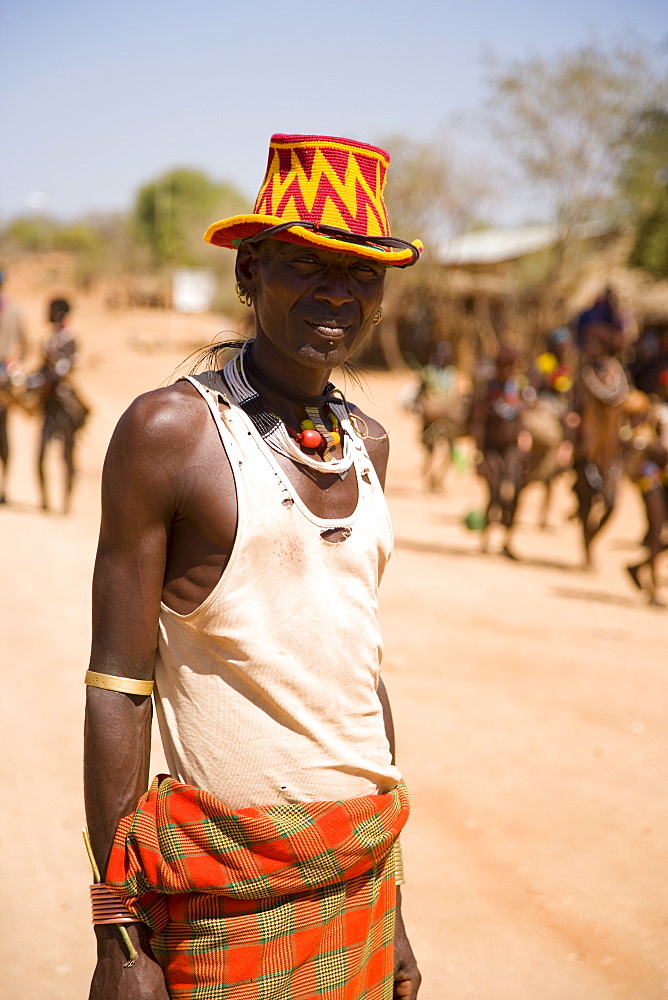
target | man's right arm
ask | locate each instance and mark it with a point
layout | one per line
(137, 507)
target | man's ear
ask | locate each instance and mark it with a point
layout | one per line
(246, 266)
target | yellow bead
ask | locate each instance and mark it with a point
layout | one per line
(336, 437)
(307, 425)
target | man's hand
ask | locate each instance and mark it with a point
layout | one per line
(111, 981)
(407, 976)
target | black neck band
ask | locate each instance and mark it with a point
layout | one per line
(281, 390)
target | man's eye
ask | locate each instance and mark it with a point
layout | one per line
(367, 271)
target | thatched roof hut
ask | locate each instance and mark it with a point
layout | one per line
(512, 286)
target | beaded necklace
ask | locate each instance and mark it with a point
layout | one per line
(287, 441)
(607, 382)
(505, 398)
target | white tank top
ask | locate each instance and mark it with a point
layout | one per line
(267, 692)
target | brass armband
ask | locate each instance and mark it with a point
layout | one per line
(398, 863)
(124, 685)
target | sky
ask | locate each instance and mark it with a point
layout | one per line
(97, 99)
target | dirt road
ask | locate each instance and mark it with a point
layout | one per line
(530, 702)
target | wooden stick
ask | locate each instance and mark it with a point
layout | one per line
(91, 856)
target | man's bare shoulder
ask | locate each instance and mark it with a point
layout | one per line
(375, 429)
(170, 414)
(157, 441)
(375, 437)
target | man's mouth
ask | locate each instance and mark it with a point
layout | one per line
(330, 330)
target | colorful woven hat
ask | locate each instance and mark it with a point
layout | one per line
(321, 191)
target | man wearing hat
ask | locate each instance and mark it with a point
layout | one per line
(244, 534)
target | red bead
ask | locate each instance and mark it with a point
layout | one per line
(310, 439)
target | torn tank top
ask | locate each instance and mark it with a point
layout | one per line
(267, 692)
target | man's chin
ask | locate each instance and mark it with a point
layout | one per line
(326, 355)
(316, 351)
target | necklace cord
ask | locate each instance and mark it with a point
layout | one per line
(271, 383)
(273, 430)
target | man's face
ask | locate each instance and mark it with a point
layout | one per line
(598, 340)
(314, 306)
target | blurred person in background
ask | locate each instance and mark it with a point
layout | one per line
(646, 463)
(550, 418)
(62, 409)
(599, 393)
(553, 372)
(650, 361)
(442, 402)
(606, 313)
(496, 427)
(13, 348)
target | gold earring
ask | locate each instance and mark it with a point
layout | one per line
(377, 318)
(246, 298)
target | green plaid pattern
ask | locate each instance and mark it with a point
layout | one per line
(289, 902)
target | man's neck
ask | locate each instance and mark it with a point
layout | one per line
(296, 378)
(285, 386)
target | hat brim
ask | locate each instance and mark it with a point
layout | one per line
(232, 232)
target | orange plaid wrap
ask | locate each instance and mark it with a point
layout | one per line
(286, 902)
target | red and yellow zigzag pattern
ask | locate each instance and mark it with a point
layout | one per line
(325, 181)
(330, 184)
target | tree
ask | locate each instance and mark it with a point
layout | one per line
(34, 233)
(567, 122)
(645, 187)
(82, 237)
(172, 212)
(430, 194)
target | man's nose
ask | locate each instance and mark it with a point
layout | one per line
(334, 289)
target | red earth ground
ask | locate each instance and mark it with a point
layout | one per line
(530, 701)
